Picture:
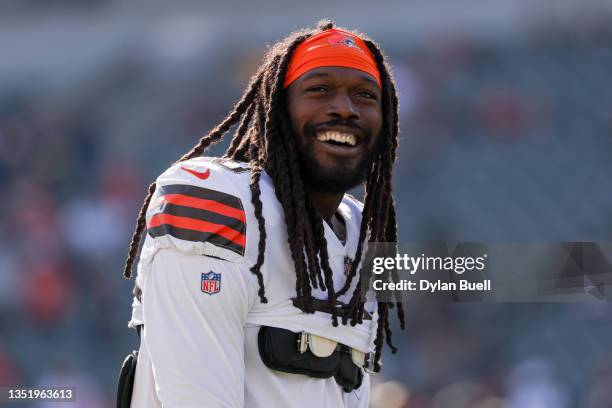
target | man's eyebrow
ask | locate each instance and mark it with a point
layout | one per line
(311, 75)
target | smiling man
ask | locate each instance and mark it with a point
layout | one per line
(336, 141)
(248, 290)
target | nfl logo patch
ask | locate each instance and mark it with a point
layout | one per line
(348, 263)
(211, 283)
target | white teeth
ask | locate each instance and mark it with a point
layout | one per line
(339, 137)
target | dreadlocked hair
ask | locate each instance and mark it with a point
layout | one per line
(263, 139)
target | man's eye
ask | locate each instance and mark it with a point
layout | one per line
(317, 89)
(367, 94)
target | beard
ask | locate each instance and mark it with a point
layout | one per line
(334, 179)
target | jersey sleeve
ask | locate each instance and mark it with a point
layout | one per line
(197, 288)
(195, 309)
(197, 208)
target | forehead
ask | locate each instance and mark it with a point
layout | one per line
(339, 74)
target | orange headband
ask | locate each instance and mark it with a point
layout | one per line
(331, 48)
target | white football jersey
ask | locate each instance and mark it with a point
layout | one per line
(200, 307)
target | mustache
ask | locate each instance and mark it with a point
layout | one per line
(311, 128)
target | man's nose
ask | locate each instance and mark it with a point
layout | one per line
(341, 106)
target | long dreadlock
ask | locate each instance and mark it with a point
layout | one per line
(263, 139)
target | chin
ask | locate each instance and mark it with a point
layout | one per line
(333, 176)
(333, 180)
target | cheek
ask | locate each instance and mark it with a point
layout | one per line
(292, 116)
(375, 123)
(297, 123)
(379, 119)
(298, 112)
(292, 110)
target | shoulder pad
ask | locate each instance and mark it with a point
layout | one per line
(197, 208)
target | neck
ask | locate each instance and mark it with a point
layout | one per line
(325, 203)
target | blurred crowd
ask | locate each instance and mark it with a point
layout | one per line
(503, 139)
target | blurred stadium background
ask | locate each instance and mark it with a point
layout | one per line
(506, 136)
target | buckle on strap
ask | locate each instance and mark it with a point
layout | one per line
(369, 362)
(302, 342)
(323, 347)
